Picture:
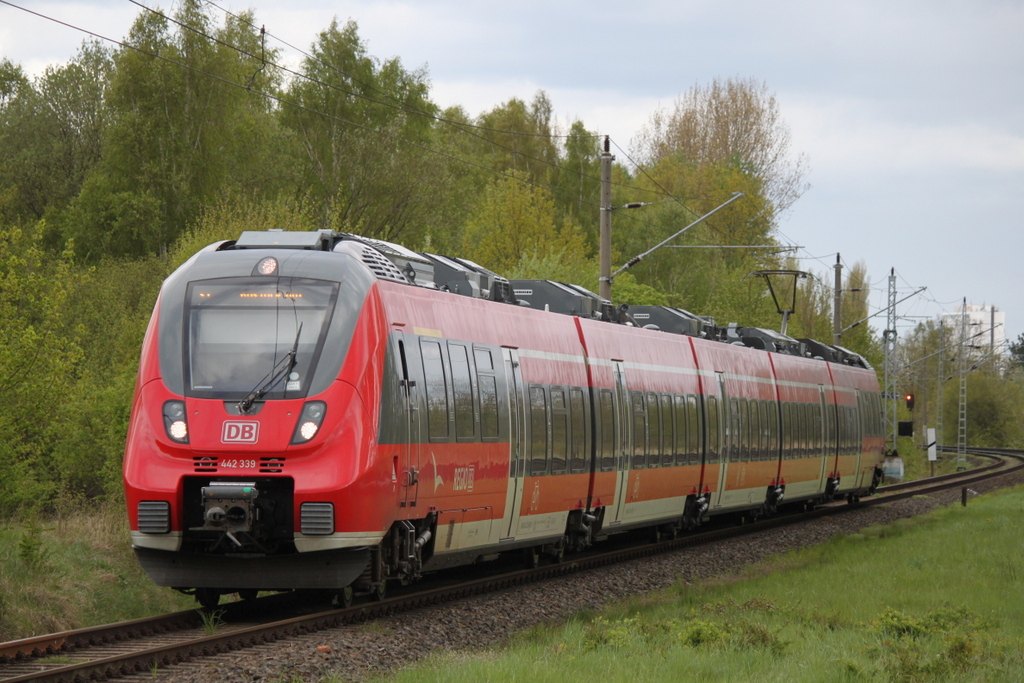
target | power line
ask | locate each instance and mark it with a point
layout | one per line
(283, 101)
(461, 126)
(658, 185)
(440, 119)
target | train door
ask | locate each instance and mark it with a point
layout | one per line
(517, 440)
(407, 471)
(623, 446)
(825, 433)
(720, 425)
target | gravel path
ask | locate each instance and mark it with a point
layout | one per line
(351, 652)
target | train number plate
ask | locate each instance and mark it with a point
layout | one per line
(240, 464)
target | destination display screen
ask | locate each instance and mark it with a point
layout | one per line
(241, 331)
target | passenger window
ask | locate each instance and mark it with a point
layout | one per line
(680, 444)
(695, 433)
(488, 407)
(462, 388)
(577, 434)
(608, 430)
(639, 431)
(668, 440)
(749, 450)
(559, 431)
(538, 432)
(436, 390)
(483, 359)
(714, 440)
(654, 427)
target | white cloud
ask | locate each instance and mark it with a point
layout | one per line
(856, 137)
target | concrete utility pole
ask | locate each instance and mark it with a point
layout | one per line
(889, 346)
(837, 325)
(605, 246)
(961, 437)
(939, 401)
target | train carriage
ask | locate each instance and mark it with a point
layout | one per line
(324, 411)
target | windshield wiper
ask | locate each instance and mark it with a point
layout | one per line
(283, 367)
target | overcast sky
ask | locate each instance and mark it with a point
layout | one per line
(910, 113)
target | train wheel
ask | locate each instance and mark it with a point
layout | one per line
(345, 597)
(379, 592)
(208, 597)
(531, 557)
(248, 594)
(556, 554)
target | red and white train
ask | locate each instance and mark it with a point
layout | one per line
(323, 411)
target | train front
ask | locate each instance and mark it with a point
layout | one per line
(245, 432)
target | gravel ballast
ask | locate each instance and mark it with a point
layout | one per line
(352, 652)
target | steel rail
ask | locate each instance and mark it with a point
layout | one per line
(952, 475)
(146, 658)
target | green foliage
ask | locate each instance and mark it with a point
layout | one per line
(51, 133)
(1017, 351)
(514, 221)
(212, 620)
(39, 350)
(74, 569)
(233, 215)
(31, 550)
(995, 391)
(177, 137)
(819, 614)
(362, 126)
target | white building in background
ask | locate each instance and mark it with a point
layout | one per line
(986, 328)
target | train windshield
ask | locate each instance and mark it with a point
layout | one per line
(240, 332)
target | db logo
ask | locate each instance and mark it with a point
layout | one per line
(240, 432)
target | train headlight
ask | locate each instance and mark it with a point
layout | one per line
(175, 422)
(266, 266)
(309, 421)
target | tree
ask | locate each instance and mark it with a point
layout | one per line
(577, 182)
(736, 122)
(183, 127)
(514, 220)
(365, 127)
(1017, 351)
(517, 136)
(51, 132)
(38, 356)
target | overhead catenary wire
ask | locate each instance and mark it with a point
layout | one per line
(284, 101)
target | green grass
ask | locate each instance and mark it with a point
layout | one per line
(74, 570)
(936, 598)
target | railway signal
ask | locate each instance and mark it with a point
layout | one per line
(909, 398)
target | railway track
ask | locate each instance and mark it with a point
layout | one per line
(145, 644)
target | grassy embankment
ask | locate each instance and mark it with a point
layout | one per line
(934, 598)
(76, 569)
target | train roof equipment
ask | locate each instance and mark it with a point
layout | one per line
(559, 297)
(390, 261)
(464, 277)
